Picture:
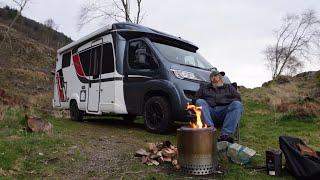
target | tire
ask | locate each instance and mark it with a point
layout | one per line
(157, 115)
(129, 117)
(75, 113)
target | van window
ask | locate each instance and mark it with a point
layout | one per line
(85, 61)
(182, 56)
(66, 59)
(107, 60)
(140, 56)
(95, 64)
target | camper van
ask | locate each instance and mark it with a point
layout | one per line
(129, 70)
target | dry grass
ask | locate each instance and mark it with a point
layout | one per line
(298, 96)
(25, 68)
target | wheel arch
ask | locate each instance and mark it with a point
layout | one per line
(165, 89)
(74, 97)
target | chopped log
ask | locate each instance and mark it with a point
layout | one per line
(160, 159)
(154, 156)
(154, 162)
(167, 144)
(141, 152)
(168, 152)
(167, 159)
(149, 163)
(152, 147)
(174, 162)
(144, 159)
(159, 153)
(177, 167)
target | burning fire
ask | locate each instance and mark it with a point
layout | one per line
(197, 110)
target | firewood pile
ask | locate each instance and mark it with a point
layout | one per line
(159, 153)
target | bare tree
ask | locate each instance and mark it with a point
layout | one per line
(50, 32)
(297, 41)
(21, 5)
(104, 10)
(51, 24)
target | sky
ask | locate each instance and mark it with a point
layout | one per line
(230, 34)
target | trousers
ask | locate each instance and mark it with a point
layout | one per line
(228, 115)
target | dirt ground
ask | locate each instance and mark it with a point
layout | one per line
(104, 148)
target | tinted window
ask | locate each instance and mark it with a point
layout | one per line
(107, 60)
(85, 61)
(95, 65)
(66, 59)
(182, 56)
(140, 56)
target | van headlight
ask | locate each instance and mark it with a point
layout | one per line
(186, 75)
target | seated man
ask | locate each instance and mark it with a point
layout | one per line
(221, 103)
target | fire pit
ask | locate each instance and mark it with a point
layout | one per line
(197, 150)
(197, 146)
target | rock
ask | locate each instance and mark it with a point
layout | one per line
(36, 124)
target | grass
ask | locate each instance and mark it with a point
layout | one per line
(23, 154)
(33, 155)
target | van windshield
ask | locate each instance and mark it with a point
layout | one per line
(183, 57)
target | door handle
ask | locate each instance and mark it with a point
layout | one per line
(89, 84)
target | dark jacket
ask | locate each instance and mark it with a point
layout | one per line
(217, 96)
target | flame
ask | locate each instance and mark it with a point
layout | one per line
(197, 110)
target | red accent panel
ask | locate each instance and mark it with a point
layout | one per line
(78, 65)
(60, 90)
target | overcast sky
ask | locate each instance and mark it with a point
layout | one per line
(231, 34)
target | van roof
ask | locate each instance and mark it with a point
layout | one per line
(122, 26)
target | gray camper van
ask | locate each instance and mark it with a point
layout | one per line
(130, 70)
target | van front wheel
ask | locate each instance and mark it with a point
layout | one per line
(157, 114)
(75, 113)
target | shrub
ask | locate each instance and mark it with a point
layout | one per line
(300, 109)
(282, 79)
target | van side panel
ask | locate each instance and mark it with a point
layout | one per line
(78, 78)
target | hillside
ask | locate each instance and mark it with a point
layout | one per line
(297, 96)
(25, 68)
(33, 29)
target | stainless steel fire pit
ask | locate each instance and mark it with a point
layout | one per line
(197, 149)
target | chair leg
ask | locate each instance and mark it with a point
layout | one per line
(237, 134)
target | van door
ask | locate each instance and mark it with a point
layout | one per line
(141, 67)
(95, 76)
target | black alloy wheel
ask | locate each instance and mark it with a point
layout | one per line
(157, 114)
(75, 113)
